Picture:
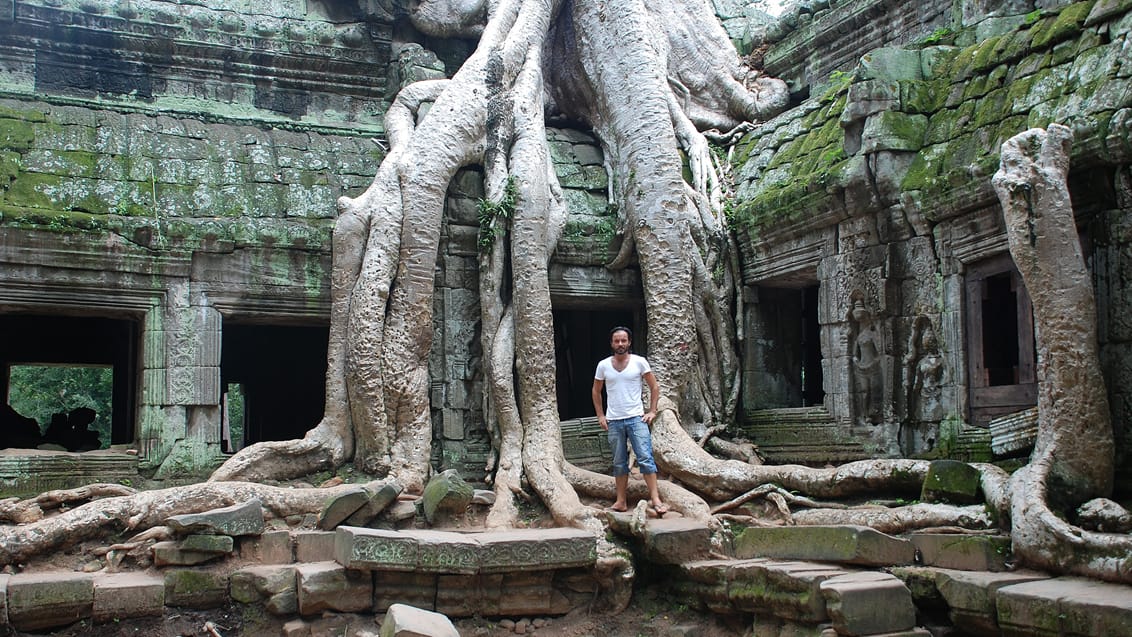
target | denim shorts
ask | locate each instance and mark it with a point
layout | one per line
(632, 431)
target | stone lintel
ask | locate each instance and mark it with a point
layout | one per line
(536, 549)
(842, 544)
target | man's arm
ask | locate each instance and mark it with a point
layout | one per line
(595, 393)
(654, 396)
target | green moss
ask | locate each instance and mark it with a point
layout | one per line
(30, 190)
(1063, 26)
(15, 134)
(27, 115)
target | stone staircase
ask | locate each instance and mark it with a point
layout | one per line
(801, 435)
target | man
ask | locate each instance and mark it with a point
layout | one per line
(625, 418)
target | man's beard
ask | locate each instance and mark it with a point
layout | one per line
(624, 349)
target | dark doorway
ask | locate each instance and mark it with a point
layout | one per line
(581, 339)
(1000, 340)
(787, 343)
(274, 379)
(75, 343)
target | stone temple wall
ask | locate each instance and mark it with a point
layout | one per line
(877, 190)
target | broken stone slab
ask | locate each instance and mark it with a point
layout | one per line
(341, 506)
(868, 603)
(1014, 433)
(963, 552)
(236, 520)
(1064, 606)
(49, 600)
(327, 586)
(785, 589)
(843, 544)
(192, 588)
(171, 553)
(272, 586)
(402, 620)
(379, 499)
(125, 595)
(971, 597)
(951, 481)
(446, 494)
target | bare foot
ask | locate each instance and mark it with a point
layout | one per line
(619, 507)
(660, 508)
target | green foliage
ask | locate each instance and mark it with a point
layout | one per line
(493, 217)
(939, 36)
(40, 391)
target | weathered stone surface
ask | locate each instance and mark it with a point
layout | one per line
(447, 552)
(842, 544)
(416, 589)
(868, 603)
(1064, 606)
(509, 551)
(951, 481)
(4, 578)
(326, 586)
(49, 600)
(962, 552)
(195, 589)
(273, 586)
(340, 507)
(219, 544)
(171, 553)
(375, 504)
(675, 541)
(314, 546)
(123, 595)
(786, 589)
(407, 621)
(971, 596)
(375, 549)
(236, 520)
(273, 547)
(446, 494)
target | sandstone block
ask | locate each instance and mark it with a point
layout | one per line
(49, 600)
(378, 500)
(868, 603)
(296, 628)
(272, 586)
(172, 554)
(511, 551)
(1068, 606)
(676, 541)
(962, 552)
(785, 589)
(841, 544)
(341, 506)
(971, 597)
(327, 586)
(236, 520)
(446, 494)
(407, 621)
(951, 481)
(375, 549)
(195, 589)
(446, 552)
(416, 589)
(123, 595)
(273, 547)
(217, 544)
(314, 546)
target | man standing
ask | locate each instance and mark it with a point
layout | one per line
(625, 417)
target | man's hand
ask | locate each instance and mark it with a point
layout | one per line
(649, 417)
(604, 424)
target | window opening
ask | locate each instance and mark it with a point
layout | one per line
(60, 407)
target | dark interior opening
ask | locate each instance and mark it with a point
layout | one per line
(280, 374)
(581, 339)
(74, 341)
(1000, 330)
(788, 344)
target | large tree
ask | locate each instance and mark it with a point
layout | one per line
(649, 80)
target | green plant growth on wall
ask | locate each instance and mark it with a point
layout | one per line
(43, 391)
(494, 216)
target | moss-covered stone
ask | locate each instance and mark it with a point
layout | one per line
(15, 134)
(951, 481)
(1064, 25)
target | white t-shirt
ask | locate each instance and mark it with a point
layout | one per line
(623, 388)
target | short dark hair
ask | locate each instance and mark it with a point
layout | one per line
(621, 328)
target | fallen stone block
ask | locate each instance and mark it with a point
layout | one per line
(841, 544)
(868, 603)
(406, 621)
(962, 552)
(171, 553)
(341, 506)
(971, 597)
(1069, 606)
(327, 586)
(273, 547)
(378, 500)
(446, 494)
(785, 589)
(191, 588)
(951, 481)
(49, 600)
(124, 595)
(676, 541)
(272, 586)
(236, 520)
